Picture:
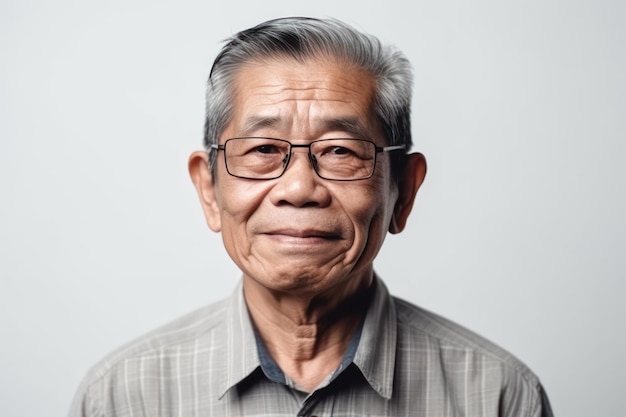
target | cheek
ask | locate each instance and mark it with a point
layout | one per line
(371, 209)
(241, 198)
(383, 201)
(239, 201)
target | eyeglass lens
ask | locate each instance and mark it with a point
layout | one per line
(267, 158)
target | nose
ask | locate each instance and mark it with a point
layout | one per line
(301, 148)
(299, 185)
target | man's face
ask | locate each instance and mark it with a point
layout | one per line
(299, 233)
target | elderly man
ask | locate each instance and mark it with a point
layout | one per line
(306, 170)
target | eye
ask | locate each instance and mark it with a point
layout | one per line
(266, 149)
(335, 150)
(342, 149)
(339, 150)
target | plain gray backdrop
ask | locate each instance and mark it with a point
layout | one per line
(518, 232)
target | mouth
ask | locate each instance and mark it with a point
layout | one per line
(296, 234)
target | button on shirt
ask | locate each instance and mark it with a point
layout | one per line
(404, 361)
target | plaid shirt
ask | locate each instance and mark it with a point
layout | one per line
(408, 362)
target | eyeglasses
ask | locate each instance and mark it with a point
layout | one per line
(332, 159)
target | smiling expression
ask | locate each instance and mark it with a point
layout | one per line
(299, 233)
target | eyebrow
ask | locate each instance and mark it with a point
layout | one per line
(350, 125)
(254, 123)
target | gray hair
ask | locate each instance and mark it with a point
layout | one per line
(301, 38)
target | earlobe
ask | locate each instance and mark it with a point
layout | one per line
(409, 184)
(205, 187)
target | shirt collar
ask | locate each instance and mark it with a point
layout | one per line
(375, 355)
(239, 346)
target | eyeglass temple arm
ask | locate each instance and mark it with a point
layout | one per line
(390, 148)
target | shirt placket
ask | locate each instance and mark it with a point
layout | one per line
(318, 404)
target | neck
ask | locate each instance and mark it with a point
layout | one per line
(306, 336)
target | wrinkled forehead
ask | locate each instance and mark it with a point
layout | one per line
(280, 90)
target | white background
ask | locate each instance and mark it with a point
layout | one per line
(518, 233)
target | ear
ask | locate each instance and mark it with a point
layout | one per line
(408, 184)
(205, 187)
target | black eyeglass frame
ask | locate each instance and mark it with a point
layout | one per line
(312, 160)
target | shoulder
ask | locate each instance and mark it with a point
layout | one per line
(124, 374)
(456, 343)
(182, 333)
(465, 365)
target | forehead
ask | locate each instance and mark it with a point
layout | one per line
(311, 94)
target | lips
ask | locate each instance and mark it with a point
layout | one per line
(304, 233)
